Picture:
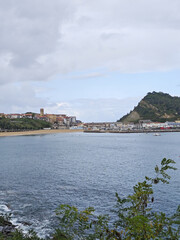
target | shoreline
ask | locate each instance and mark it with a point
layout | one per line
(132, 131)
(39, 132)
(54, 131)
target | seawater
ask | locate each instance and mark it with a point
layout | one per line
(38, 173)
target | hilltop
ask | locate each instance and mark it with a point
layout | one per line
(155, 106)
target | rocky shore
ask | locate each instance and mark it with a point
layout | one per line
(6, 227)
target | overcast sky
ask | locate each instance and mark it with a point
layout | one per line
(94, 59)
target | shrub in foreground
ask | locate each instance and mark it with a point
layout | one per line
(135, 218)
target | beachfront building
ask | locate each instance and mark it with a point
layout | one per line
(103, 126)
(154, 125)
(173, 124)
(73, 119)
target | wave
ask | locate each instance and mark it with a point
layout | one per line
(42, 228)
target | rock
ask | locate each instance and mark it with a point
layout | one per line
(26, 224)
(6, 228)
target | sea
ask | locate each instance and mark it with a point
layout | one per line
(38, 173)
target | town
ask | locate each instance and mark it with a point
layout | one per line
(57, 121)
(62, 121)
(141, 126)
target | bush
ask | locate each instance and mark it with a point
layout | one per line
(135, 218)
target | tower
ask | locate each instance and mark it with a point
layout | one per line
(42, 111)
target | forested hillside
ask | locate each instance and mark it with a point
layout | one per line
(155, 106)
(22, 124)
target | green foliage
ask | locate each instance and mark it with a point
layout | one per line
(74, 223)
(161, 175)
(135, 218)
(4, 219)
(23, 124)
(18, 235)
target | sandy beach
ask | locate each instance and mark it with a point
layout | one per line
(37, 132)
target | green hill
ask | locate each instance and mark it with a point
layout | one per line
(22, 124)
(155, 106)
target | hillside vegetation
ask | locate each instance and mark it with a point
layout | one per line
(155, 106)
(22, 124)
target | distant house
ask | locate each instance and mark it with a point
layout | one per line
(154, 125)
(13, 116)
(28, 115)
(73, 119)
(60, 121)
(44, 118)
(100, 125)
(173, 124)
(51, 117)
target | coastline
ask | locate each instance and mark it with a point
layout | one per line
(132, 131)
(54, 131)
(37, 132)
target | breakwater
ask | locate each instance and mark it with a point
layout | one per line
(133, 131)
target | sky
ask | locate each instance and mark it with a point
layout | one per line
(95, 59)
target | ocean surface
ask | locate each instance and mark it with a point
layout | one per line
(38, 173)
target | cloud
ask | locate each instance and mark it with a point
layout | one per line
(42, 38)
(30, 31)
(24, 97)
(87, 76)
(20, 98)
(95, 110)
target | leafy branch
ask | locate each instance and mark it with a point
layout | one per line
(135, 218)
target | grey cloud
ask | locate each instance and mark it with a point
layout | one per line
(29, 30)
(139, 13)
(42, 38)
(20, 98)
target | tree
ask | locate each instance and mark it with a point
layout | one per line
(135, 217)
